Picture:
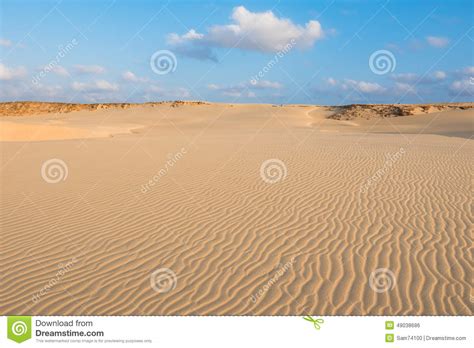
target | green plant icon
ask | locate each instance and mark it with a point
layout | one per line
(19, 328)
(316, 322)
(389, 338)
(389, 325)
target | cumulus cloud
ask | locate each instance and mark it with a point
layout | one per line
(96, 86)
(46, 91)
(466, 72)
(245, 89)
(265, 84)
(131, 77)
(191, 44)
(155, 91)
(345, 86)
(439, 75)
(10, 73)
(5, 43)
(21, 91)
(434, 77)
(263, 31)
(57, 69)
(405, 77)
(331, 81)
(236, 92)
(192, 35)
(463, 87)
(363, 86)
(252, 31)
(455, 83)
(89, 69)
(437, 41)
(213, 86)
(404, 88)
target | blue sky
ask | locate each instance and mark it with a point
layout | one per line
(314, 52)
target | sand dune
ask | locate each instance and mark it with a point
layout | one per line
(359, 215)
(370, 111)
(41, 108)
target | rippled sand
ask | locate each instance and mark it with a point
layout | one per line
(235, 209)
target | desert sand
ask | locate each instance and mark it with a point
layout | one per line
(362, 210)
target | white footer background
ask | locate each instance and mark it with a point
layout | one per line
(250, 332)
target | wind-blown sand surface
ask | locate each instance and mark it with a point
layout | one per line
(359, 202)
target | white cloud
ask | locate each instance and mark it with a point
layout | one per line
(57, 69)
(434, 77)
(467, 71)
(191, 45)
(331, 81)
(230, 91)
(44, 91)
(405, 77)
(404, 88)
(7, 73)
(439, 75)
(174, 39)
(89, 69)
(97, 86)
(154, 91)
(265, 84)
(253, 31)
(245, 89)
(5, 43)
(236, 93)
(348, 85)
(463, 87)
(20, 91)
(181, 93)
(131, 77)
(263, 31)
(251, 94)
(437, 41)
(364, 87)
